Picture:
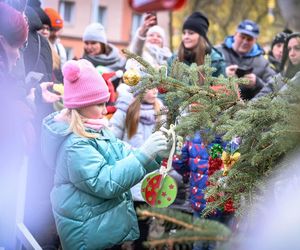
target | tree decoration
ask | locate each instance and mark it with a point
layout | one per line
(159, 189)
(131, 77)
(268, 126)
(230, 156)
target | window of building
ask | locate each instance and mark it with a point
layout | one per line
(67, 11)
(136, 22)
(70, 53)
(102, 15)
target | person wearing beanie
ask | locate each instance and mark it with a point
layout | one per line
(99, 51)
(289, 68)
(245, 58)
(275, 53)
(94, 169)
(149, 42)
(104, 56)
(57, 24)
(195, 44)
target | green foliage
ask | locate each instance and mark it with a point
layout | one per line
(269, 128)
(185, 230)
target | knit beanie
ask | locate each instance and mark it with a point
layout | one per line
(13, 25)
(197, 22)
(83, 85)
(159, 30)
(279, 38)
(43, 16)
(95, 32)
(56, 21)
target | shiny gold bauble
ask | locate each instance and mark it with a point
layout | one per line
(131, 77)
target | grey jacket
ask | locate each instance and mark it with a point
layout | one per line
(254, 59)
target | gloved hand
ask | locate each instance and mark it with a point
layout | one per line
(156, 143)
(165, 153)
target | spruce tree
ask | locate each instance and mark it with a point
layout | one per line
(268, 128)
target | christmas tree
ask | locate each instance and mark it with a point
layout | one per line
(268, 128)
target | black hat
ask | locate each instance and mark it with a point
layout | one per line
(279, 38)
(197, 22)
(43, 16)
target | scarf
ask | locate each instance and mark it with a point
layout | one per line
(160, 55)
(96, 124)
(112, 61)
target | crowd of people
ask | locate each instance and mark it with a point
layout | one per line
(86, 159)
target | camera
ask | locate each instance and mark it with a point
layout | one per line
(241, 71)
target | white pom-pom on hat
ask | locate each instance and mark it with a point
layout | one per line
(71, 71)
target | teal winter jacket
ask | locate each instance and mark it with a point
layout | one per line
(91, 201)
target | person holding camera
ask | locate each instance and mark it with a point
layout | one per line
(245, 58)
(149, 41)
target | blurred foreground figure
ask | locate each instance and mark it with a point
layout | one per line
(16, 133)
(277, 225)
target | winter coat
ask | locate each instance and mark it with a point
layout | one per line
(17, 136)
(145, 128)
(253, 59)
(217, 61)
(278, 84)
(153, 54)
(274, 63)
(91, 186)
(37, 54)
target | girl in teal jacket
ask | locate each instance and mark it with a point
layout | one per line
(94, 171)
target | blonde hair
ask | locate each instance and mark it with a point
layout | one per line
(77, 125)
(133, 116)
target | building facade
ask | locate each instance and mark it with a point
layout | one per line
(118, 19)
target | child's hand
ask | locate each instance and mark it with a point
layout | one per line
(157, 142)
(48, 96)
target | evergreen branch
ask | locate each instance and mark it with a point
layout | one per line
(184, 239)
(145, 213)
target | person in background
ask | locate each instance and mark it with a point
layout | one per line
(100, 52)
(195, 44)
(16, 128)
(275, 53)
(242, 51)
(290, 66)
(149, 42)
(91, 202)
(59, 54)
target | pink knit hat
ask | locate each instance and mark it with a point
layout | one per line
(84, 86)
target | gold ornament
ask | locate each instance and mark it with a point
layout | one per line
(131, 77)
(229, 160)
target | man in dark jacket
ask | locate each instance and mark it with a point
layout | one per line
(244, 58)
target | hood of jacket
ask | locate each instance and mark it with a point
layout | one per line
(34, 22)
(54, 133)
(255, 51)
(112, 61)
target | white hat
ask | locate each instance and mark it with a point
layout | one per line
(159, 30)
(95, 32)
